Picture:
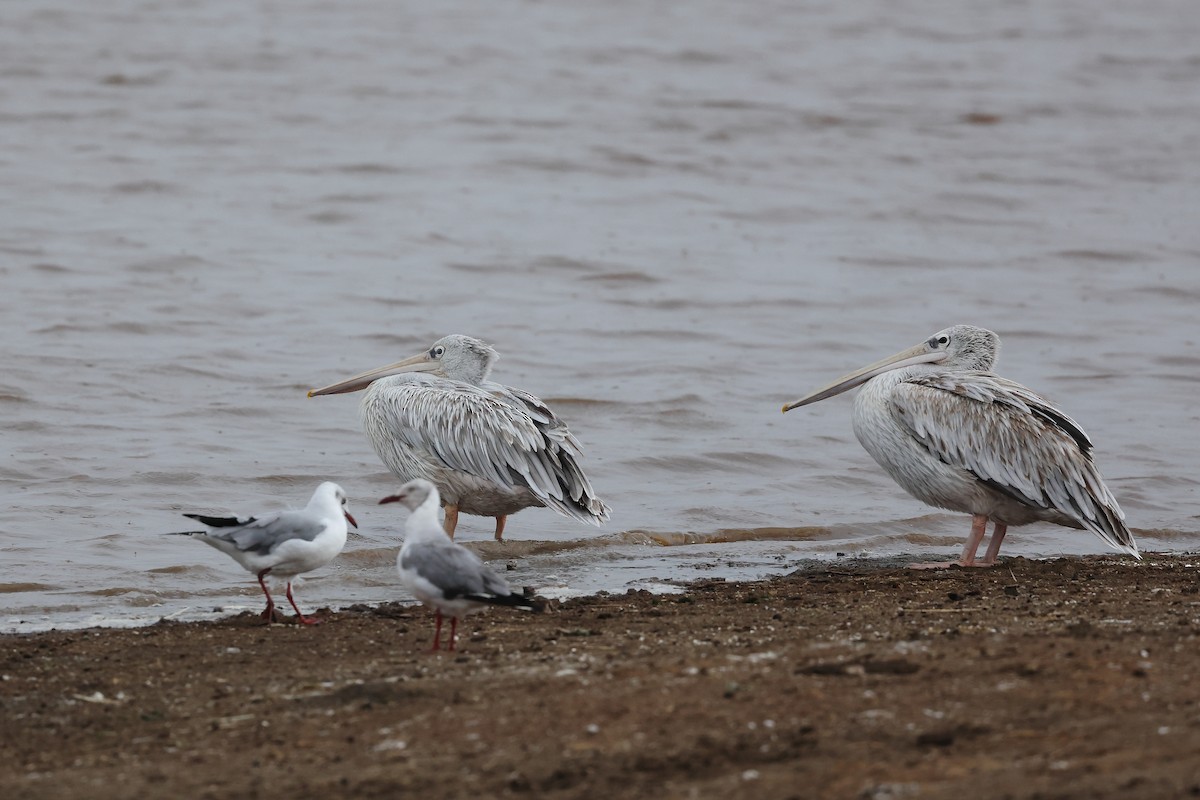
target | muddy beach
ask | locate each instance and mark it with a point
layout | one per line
(1063, 678)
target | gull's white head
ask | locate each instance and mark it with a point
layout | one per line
(329, 492)
(414, 494)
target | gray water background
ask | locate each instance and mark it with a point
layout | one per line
(670, 218)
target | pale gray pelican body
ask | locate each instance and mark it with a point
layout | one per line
(956, 436)
(490, 450)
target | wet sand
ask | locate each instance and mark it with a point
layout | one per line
(1064, 678)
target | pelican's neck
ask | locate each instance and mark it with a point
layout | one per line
(469, 374)
(876, 392)
(886, 380)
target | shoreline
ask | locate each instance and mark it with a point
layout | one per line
(1073, 677)
(250, 598)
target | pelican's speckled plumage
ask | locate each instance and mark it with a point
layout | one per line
(491, 450)
(956, 436)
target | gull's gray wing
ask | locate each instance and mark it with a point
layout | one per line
(455, 571)
(261, 535)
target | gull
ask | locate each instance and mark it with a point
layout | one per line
(955, 435)
(490, 449)
(282, 543)
(443, 575)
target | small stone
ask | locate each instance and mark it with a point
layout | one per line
(943, 738)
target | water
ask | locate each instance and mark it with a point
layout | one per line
(669, 218)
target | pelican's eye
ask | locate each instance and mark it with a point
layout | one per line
(438, 351)
(943, 340)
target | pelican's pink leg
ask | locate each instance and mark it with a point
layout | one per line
(453, 632)
(450, 522)
(303, 619)
(978, 531)
(967, 559)
(500, 528)
(998, 531)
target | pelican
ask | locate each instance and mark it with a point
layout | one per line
(955, 435)
(490, 450)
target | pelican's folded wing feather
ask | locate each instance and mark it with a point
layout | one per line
(1015, 441)
(504, 438)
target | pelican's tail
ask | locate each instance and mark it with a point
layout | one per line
(552, 471)
(587, 508)
(1109, 525)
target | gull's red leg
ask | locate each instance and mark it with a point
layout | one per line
(437, 634)
(269, 612)
(305, 620)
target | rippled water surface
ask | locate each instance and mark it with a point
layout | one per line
(669, 218)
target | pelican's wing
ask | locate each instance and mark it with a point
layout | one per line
(263, 534)
(1015, 442)
(563, 448)
(488, 433)
(541, 415)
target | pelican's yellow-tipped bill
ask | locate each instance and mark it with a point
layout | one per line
(920, 354)
(422, 362)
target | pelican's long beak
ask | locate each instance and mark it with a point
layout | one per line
(418, 363)
(913, 355)
(349, 518)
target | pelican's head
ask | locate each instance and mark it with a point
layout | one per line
(961, 348)
(464, 358)
(461, 358)
(413, 494)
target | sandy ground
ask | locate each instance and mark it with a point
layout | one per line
(1067, 678)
